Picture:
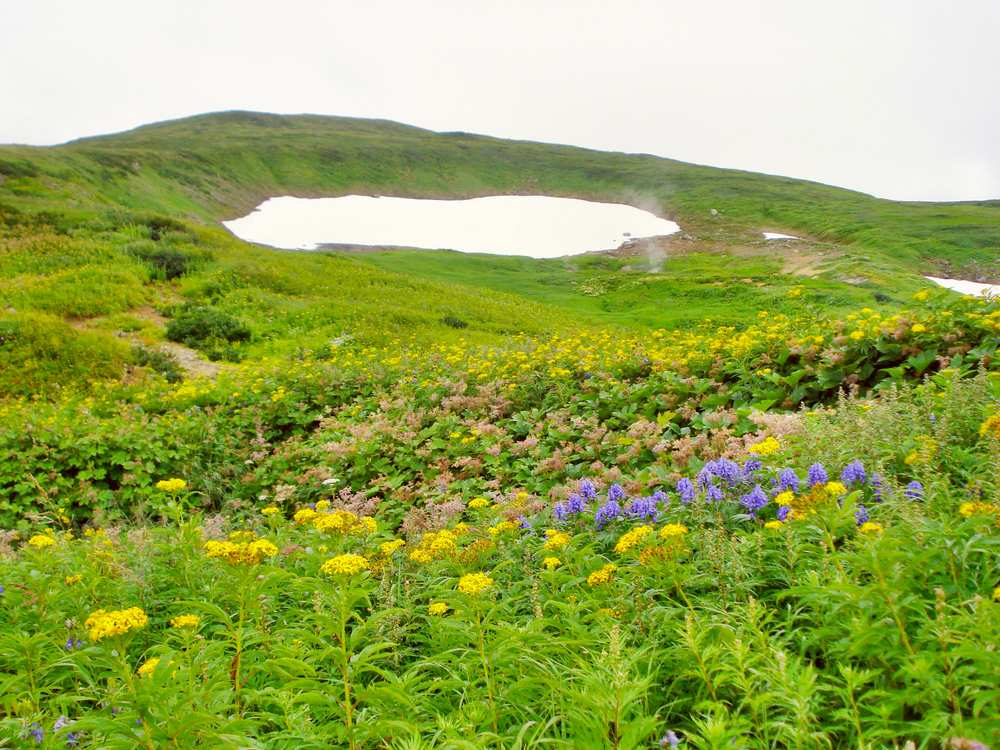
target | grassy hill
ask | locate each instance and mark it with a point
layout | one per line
(95, 232)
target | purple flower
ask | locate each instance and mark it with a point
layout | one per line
(877, 487)
(643, 507)
(817, 475)
(713, 495)
(685, 488)
(726, 470)
(2, 589)
(750, 466)
(523, 522)
(72, 644)
(861, 515)
(788, 481)
(615, 493)
(853, 473)
(587, 489)
(574, 504)
(754, 500)
(670, 739)
(607, 512)
(914, 491)
(783, 512)
(37, 732)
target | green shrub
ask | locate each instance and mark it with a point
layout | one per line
(161, 362)
(206, 327)
(166, 261)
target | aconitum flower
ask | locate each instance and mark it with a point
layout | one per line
(37, 732)
(713, 494)
(754, 500)
(615, 493)
(643, 507)
(750, 466)
(861, 515)
(914, 491)
(788, 481)
(783, 511)
(670, 739)
(685, 488)
(817, 475)
(523, 522)
(587, 489)
(853, 473)
(606, 513)
(575, 503)
(877, 487)
(726, 470)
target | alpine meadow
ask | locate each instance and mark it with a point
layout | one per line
(706, 490)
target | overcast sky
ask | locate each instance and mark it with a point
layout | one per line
(896, 98)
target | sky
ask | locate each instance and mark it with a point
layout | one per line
(897, 98)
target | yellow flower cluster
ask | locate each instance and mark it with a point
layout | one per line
(871, 527)
(602, 576)
(103, 624)
(388, 548)
(41, 541)
(185, 621)
(632, 538)
(555, 539)
(990, 426)
(504, 527)
(474, 583)
(148, 667)
(73, 579)
(979, 509)
(478, 502)
(241, 553)
(673, 531)
(437, 609)
(270, 510)
(435, 545)
(773, 525)
(344, 522)
(551, 563)
(766, 447)
(172, 485)
(345, 565)
(304, 516)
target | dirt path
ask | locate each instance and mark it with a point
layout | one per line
(191, 361)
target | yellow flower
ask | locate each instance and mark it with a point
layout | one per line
(474, 583)
(773, 525)
(323, 505)
(871, 527)
(270, 510)
(345, 565)
(503, 527)
(602, 576)
(835, 489)
(673, 530)
(996, 594)
(304, 516)
(551, 563)
(919, 328)
(784, 498)
(41, 541)
(478, 502)
(437, 609)
(387, 548)
(555, 539)
(766, 447)
(71, 580)
(857, 335)
(990, 426)
(185, 621)
(172, 485)
(103, 624)
(631, 538)
(240, 553)
(148, 667)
